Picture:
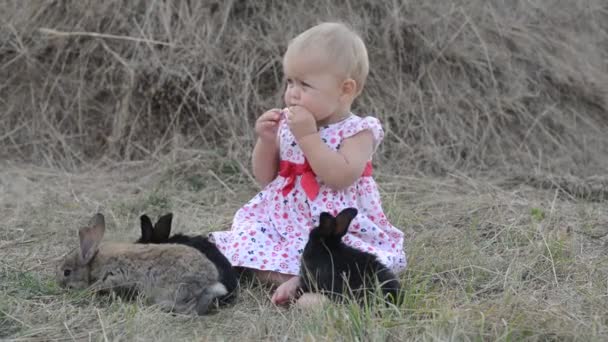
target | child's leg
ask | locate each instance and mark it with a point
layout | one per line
(287, 285)
(287, 290)
(272, 278)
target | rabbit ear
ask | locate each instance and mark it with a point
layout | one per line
(90, 238)
(146, 229)
(97, 219)
(162, 228)
(343, 220)
(326, 224)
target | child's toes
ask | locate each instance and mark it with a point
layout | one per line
(279, 299)
(286, 292)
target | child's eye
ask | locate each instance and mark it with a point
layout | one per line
(306, 85)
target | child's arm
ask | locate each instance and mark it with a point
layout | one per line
(265, 161)
(340, 169)
(265, 156)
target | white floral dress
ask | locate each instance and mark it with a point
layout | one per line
(271, 230)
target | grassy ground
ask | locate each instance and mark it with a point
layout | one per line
(493, 163)
(487, 262)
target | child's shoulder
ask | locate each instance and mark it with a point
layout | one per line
(357, 118)
(356, 124)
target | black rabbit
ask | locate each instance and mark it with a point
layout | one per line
(331, 267)
(160, 234)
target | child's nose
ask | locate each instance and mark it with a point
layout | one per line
(294, 92)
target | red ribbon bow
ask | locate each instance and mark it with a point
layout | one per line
(290, 171)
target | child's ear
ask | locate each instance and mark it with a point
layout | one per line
(349, 88)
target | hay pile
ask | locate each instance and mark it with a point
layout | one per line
(469, 86)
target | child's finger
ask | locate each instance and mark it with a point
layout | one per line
(274, 115)
(268, 119)
(289, 115)
(271, 114)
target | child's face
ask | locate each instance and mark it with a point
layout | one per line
(312, 85)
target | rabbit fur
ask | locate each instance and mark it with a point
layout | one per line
(331, 267)
(160, 232)
(175, 277)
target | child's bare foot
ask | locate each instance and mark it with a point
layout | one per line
(286, 291)
(311, 300)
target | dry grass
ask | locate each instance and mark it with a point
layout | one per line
(494, 160)
(473, 86)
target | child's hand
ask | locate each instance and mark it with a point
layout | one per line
(301, 122)
(267, 125)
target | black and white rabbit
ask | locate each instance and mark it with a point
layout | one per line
(331, 267)
(175, 277)
(160, 232)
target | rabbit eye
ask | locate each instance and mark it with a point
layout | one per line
(66, 273)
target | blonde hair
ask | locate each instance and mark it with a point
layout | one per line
(340, 44)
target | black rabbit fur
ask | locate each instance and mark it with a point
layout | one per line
(327, 261)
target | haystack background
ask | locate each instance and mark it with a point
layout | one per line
(467, 85)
